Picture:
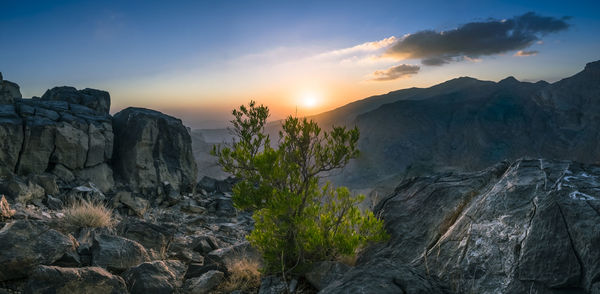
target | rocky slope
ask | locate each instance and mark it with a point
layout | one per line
(526, 227)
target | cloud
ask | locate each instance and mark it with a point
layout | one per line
(526, 53)
(360, 48)
(395, 72)
(476, 39)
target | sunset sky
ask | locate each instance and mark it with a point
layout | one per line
(199, 59)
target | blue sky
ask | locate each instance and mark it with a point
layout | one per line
(198, 59)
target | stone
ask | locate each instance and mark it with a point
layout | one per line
(227, 255)
(205, 283)
(323, 273)
(272, 285)
(71, 146)
(161, 277)
(26, 244)
(21, 191)
(100, 175)
(88, 192)
(63, 173)
(97, 100)
(53, 279)
(154, 237)
(9, 92)
(152, 148)
(54, 203)
(199, 269)
(11, 128)
(46, 181)
(38, 145)
(116, 253)
(138, 204)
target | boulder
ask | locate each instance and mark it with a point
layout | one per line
(26, 244)
(272, 285)
(116, 253)
(154, 237)
(205, 283)
(9, 92)
(138, 205)
(161, 277)
(88, 192)
(11, 132)
(518, 228)
(97, 100)
(52, 279)
(20, 190)
(152, 148)
(100, 175)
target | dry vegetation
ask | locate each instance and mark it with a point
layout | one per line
(86, 213)
(244, 276)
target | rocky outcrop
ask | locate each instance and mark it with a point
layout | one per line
(9, 91)
(519, 228)
(153, 152)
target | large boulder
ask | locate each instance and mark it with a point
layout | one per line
(59, 280)
(519, 228)
(11, 134)
(153, 150)
(116, 253)
(26, 244)
(160, 277)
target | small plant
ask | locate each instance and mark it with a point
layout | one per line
(91, 214)
(244, 275)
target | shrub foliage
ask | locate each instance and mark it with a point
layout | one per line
(297, 222)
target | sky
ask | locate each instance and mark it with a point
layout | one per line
(198, 60)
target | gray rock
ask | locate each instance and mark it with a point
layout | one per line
(117, 253)
(199, 269)
(53, 203)
(152, 148)
(137, 204)
(71, 145)
(100, 175)
(272, 285)
(323, 273)
(508, 229)
(38, 145)
(9, 91)
(154, 237)
(161, 277)
(11, 130)
(227, 255)
(87, 192)
(26, 244)
(52, 279)
(205, 283)
(98, 101)
(46, 181)
(22, 191)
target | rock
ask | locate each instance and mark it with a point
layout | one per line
(46, 181)
(71, 145)
(53, 203)
(154, 237)
(11, 126)
(100, 175)
(117, 253)
(225, 207)
(323, 273)
(205, 283)
(38, 145)
(137, 204)
(97, 100)
(199, 269)
(152, 148)
(5, 211)
(272, 285)
(227, 255)
(519, 228)
(87, 192)
(26, 244)
(207, 184)
(21, 191)
(9, 91)
(63, 173)
(52, 279)
(155, 277)
(385, 276)
(205, 244)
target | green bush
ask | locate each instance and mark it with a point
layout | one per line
(296, 221)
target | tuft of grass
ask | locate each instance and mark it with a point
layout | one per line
(90, 214)
(244, 275)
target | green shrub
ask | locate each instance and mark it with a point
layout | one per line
(296, 221)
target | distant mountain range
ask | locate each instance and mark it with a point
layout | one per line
(467, 124)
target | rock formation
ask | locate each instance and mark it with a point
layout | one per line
(527, 227)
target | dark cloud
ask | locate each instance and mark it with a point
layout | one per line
(395, 72)
(476, 39)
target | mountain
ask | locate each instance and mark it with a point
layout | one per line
(469, 124)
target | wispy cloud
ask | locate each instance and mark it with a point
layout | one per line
(526, 53)
(360, 49)
(395, 72)
(476, 39)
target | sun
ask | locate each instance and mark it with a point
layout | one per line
(310, 100)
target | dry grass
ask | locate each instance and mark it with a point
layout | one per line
(244, 275)
(89, 214)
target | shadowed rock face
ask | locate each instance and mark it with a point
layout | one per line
(152, 148)
(508, 229)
